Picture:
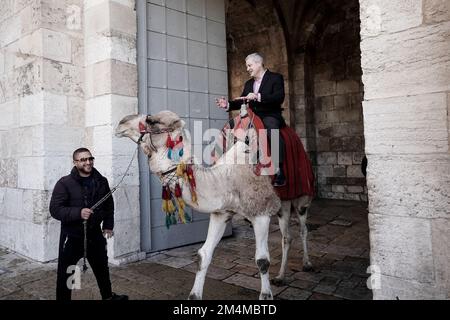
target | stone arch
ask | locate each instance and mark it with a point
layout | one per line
(255, 26)
(328, 92)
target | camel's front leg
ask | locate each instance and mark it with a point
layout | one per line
(262, 258)
(283, 221)
(217, 225)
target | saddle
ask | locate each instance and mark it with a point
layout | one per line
(297, 166)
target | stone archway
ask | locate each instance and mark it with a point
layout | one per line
(254, 26)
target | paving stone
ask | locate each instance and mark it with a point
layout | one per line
(294, 294)
(176, 262)
(303, 284)
(321, 296)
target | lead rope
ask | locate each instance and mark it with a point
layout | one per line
(97, 204)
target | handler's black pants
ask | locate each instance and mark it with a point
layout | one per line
(275, 123)
(71, 250)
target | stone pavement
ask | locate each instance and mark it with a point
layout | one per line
(338, 247)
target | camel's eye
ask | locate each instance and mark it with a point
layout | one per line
(152, 122)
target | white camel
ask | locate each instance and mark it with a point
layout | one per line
(223, 190)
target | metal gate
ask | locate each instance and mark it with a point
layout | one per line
(182, 67)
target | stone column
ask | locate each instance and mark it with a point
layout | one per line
(111, 93)
(41, 103)
(406, 74)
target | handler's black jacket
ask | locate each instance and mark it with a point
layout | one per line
(272, 95)
(69, 197)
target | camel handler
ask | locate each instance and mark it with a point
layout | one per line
(265, 93)
(72, 198)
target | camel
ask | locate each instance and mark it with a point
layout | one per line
(223, 190)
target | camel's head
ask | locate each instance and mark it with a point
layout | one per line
(155, 128)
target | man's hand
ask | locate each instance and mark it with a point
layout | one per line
(222, 102)
(249, 97)
(86, 213)
(108, 233)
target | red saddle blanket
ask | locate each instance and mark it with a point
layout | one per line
(296, 166)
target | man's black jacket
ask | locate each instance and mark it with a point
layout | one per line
(272, 95)
(69, 197)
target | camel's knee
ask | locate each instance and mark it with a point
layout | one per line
(263, 265)
(302, 211)
(193, 296)
(287, 240)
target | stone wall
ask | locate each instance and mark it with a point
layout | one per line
(327, 94)
(63, 84)
(41, 102)
(406, 75)
(336, 92)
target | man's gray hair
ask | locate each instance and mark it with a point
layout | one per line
(255, 57)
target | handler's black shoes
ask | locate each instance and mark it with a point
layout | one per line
(280, 179)
(118, 297)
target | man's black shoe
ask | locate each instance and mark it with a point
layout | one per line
(118, 297)
(280, 179)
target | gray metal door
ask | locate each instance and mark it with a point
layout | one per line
(182, 67)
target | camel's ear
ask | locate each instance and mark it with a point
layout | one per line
(177, 124)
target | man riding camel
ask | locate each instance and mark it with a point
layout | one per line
(265, 93)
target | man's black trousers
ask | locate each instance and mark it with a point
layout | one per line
(275, 123)
(71, 250)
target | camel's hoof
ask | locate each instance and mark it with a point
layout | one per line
(193, 296)
(278, 282)
(308, 267)
(266, 296)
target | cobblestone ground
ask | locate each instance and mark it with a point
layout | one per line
(338, 247)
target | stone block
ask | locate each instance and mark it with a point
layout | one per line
(436, 11)
(346, 144)
(126, 240)
(126, 203)
(122, 18)
(410, 124)
(401, 247)
(325, 171)
(345, 157)
(43, 108)
(338, 188)
(8, 173)
(324, 88)
(31, 173)
(61, 140)
(355, 189)
(10, 118)
(339, 171)
(109, 109)
(393, 288)
(75, 111)
(347, 86)
(10, 30)
(62, 78)
(56, 46)
(441, 252)
(63, 16)
(354, 171)
(114, 45)
(326, 158)
(384, 62)
(410, 185)
(25, 238)
(389, 16)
